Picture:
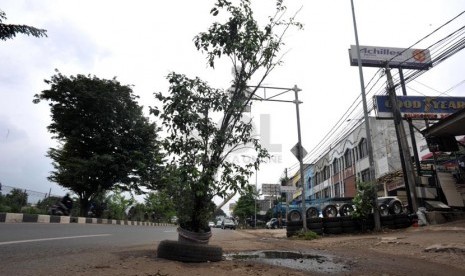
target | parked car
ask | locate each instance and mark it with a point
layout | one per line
(228, 223)
(270, 223)
(274, 223)
(219, 223)
(211, 224)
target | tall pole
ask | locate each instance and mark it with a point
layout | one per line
(300, 157)
(402, 141)
(255, 197)
(414, 147)
(367, 126)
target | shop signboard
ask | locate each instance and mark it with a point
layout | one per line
(419, 107)
(407, 58)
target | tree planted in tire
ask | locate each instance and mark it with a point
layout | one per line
(205, 125)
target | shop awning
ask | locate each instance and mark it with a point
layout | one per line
(453, 125)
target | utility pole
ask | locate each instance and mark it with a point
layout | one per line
(403, 143)
(414, 143)
(255, 198)
(300, 157)
(367, 127)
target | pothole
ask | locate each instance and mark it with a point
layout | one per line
(310, 262)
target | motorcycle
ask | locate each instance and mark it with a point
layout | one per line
(62, 207)
(59, 209)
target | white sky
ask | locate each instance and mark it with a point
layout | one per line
(140, 42)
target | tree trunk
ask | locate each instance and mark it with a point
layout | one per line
(83, 206)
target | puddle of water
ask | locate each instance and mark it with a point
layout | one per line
(295, 260)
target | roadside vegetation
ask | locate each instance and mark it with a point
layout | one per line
(107, 150)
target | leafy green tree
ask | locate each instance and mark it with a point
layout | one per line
(9, 31)
(3, 204)
(105, 141)
(138, 212)
(218, 213)
(161, 205)
(363, 200)
(117, 204)
(198, 147)
(16, 199)
(245, 207)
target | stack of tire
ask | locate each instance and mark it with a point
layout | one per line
(313, 224)
(332, 225)
(398, 221)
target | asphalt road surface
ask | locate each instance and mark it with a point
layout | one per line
(31, 248)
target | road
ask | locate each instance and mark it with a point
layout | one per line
(32, 248)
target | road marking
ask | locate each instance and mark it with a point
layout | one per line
(51, 239)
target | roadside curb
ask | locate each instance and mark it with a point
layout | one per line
(34, 218)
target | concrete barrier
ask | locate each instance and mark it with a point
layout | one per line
(35, 218)
(13, 218)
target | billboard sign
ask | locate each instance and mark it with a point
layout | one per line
(373, 56)
(271, 189)
(419, 107)
(288, 189)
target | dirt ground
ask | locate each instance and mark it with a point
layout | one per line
(428, 250)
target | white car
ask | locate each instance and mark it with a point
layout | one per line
(228, 223)
(270, 223)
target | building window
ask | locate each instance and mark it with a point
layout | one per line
(348, 158)
(335, 166)
(326, 193)
(365, 175)
(337, 190)
(363, 148)
(326, 173)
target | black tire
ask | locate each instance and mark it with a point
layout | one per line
(402, 221)
(291, 233)
(346, 210)
(315, 223)
(330, 211)
(383, 210)
(388, 218)
(333, 230)
(348, 222)
(350, 230)
(388, 221)
(189, 252)
(312, 212)
(294, 223)
(332, 224)
(294, 215)
(395, 208)
(293, 228)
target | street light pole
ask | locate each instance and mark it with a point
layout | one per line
(367, 125)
